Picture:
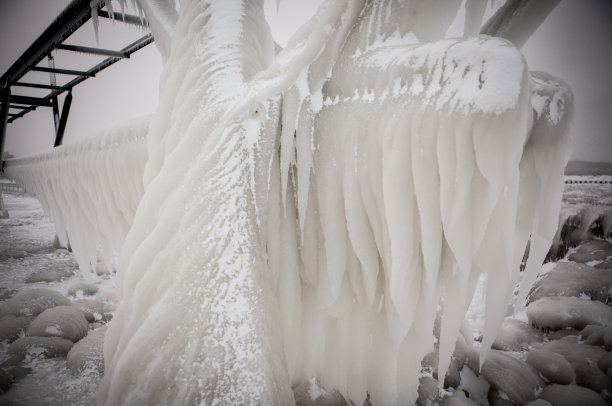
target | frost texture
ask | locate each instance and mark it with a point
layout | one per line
(303, 216)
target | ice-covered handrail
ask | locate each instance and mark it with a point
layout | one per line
(90, 189)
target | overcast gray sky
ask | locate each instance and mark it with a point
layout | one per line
(572, 44)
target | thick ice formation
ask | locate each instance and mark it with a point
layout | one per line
(90, 189)
(306, 216)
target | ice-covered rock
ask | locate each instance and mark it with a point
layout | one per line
(515, 335)
(95, 310)
(590, 376)
(48, 346)
(601, 336)
(475, 386)
(83, 289)
(571, 395)
(573, 351)
(88, 352)
(32, 302)
(50, 275)
(593, 250)
(512, 377)
(557, 312)
(18, 372)
(12, 327)
(583, 359)
(539, 402)
(605, 362)
(61, 321)
(552, 366)
(497, 397)
(310, 393)
(6, 293)
(572, 279)
(458, 398)
(429, 391)
(6, 380)
(562, 333)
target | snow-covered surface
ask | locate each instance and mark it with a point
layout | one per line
(262, 255)
(26, 247)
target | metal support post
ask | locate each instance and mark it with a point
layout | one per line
(5, 98)
(63, 119)
(54, 98)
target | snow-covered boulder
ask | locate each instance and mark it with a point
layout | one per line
(571, 395)
(33, 302)
(82, 289)
(88, 352)
(572, 279)
(597, 335)
(48, 346)
(50, 275)
(511, 376)
(593, 250)
(12, 327)
(583, 359)
(552, 366)
(573, 351)
(18, 372)
(310, 393)
(429, 393)
(61, 321)
(6, 293)
(557, 312)
(96, 309)
(475, 386)
(6, 380)
(539, 402)
(458, 398)
(590, 376)
(515, 335)
(605, 362)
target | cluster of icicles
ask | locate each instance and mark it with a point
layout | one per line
(90, 189)
(310, 214)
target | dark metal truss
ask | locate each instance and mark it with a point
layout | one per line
(71, 19)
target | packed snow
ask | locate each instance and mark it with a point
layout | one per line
(318, 220)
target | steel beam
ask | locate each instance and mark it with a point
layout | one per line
(59, 136)
(62, 71)
(21, 113)
(93, 51)
(128, 50)
(5, 97)
(41, 86)
(52, 81)
(73, 16)
(126, 18)
(33, 101)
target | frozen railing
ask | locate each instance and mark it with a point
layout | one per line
(11, 187)
(90, 189)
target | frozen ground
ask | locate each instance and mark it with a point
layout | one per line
(547, 357)
(27, 249)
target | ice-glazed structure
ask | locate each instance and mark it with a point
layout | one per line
(309, 215)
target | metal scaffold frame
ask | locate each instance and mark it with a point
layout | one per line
(76, 14)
